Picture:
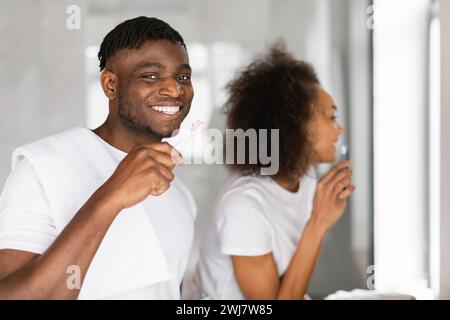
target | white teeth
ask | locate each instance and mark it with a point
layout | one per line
(170, 110)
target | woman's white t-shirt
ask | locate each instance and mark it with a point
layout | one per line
(252, 216)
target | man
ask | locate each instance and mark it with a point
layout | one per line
(99, 214)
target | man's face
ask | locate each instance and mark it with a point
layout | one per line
(154, 91)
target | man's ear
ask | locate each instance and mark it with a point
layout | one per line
(109, 83)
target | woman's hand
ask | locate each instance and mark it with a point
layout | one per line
(331, 195)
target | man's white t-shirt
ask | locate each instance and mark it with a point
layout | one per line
(252, 216)
(26, 224)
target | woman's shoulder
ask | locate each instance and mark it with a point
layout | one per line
(248, 186)
(243, 194)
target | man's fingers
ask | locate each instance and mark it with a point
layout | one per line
(160, 184)
(162, 158)
(164, 147)
(163, 153)
(166, 172)
(330, 174)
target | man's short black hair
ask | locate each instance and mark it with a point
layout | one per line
(132, 33)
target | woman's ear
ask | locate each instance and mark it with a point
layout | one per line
(109, 81)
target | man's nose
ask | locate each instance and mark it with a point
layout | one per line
(171, 88)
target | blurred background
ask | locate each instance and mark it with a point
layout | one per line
(384, 62)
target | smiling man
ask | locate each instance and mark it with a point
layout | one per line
(99, 214)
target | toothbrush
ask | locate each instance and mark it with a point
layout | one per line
(195, 128)
(344, 151)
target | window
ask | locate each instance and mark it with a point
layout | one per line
(404, 139)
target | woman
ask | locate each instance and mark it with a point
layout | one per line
(263, 235)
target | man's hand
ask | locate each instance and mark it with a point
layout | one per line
(146, 170)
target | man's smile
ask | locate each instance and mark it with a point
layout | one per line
(167, 111)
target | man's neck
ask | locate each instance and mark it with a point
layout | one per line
(119, 136)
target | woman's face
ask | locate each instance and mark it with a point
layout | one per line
(326, 130)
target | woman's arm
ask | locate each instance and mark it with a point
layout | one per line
(258, 276)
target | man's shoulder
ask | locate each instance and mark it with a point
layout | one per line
(51, 146)
(57, 139)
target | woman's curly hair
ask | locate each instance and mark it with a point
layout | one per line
(275, 92)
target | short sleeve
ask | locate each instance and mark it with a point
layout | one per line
(25, 220)
(243, 226)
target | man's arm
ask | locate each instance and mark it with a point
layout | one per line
(11, 260)
(44, 276)
(146, 170)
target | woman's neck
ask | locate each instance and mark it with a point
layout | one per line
(288, 184)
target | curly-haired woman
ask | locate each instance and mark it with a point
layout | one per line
(263, 235)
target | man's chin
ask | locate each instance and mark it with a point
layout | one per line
(163, 134)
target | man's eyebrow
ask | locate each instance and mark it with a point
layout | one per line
(334, 107)
(160, 66)
(185, 66)
(149, 65)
